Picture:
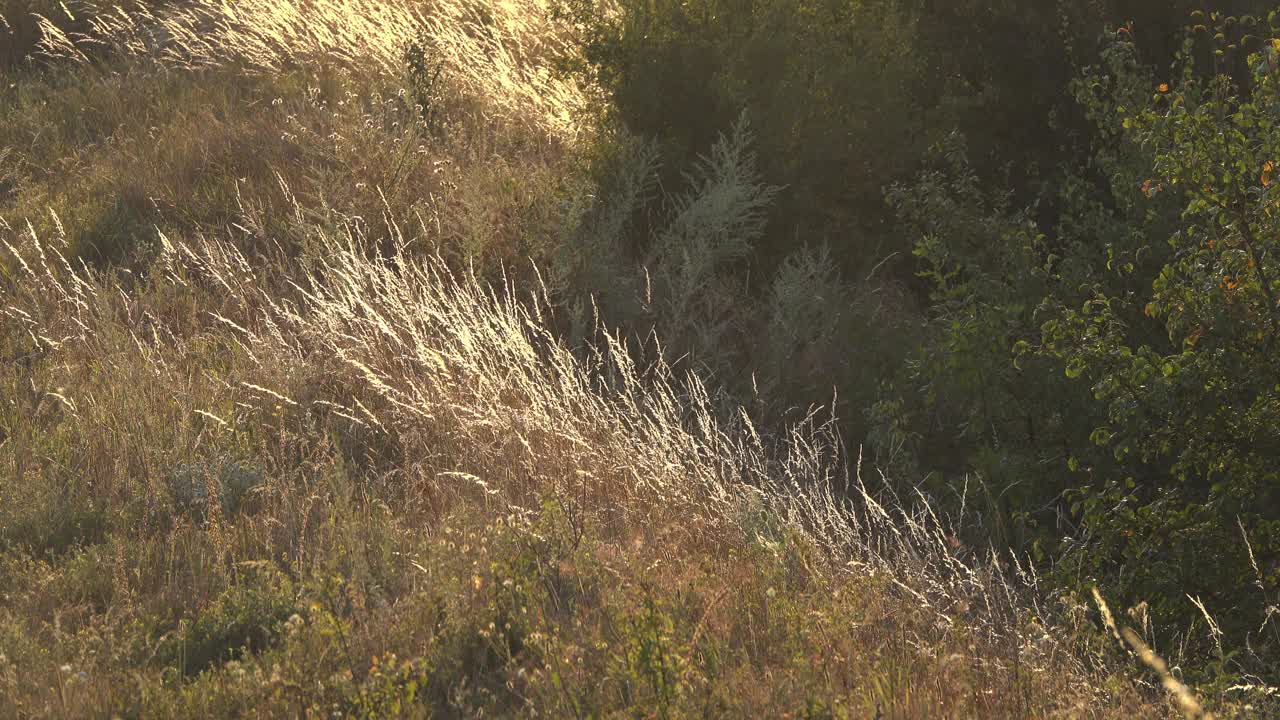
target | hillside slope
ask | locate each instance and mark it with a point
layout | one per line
(287, 428)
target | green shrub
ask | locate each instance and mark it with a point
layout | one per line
(1178, 348)
(246, 617)
(1112, 376)
(221, 479)
(676, 266)
(681, 280)
(832, 88)
(391, 689)
(648, 662)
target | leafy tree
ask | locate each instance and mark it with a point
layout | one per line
(1134, 336)
(974, 406)
(1179, 348)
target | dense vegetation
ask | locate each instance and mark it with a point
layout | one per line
(1068, 298)
(385, 358)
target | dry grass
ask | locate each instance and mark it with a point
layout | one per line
(119, 152)
(498, 54)
(427, 401)
(1187, 701)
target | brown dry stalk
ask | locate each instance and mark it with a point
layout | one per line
(1188, 704)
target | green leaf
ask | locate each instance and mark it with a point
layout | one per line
(1075, 367)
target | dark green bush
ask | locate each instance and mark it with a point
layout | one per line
(1112, 375)
(840, 101)
(674, 266)
(1178, 348)
(844, 100)
(247, 617)
(847, 97)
